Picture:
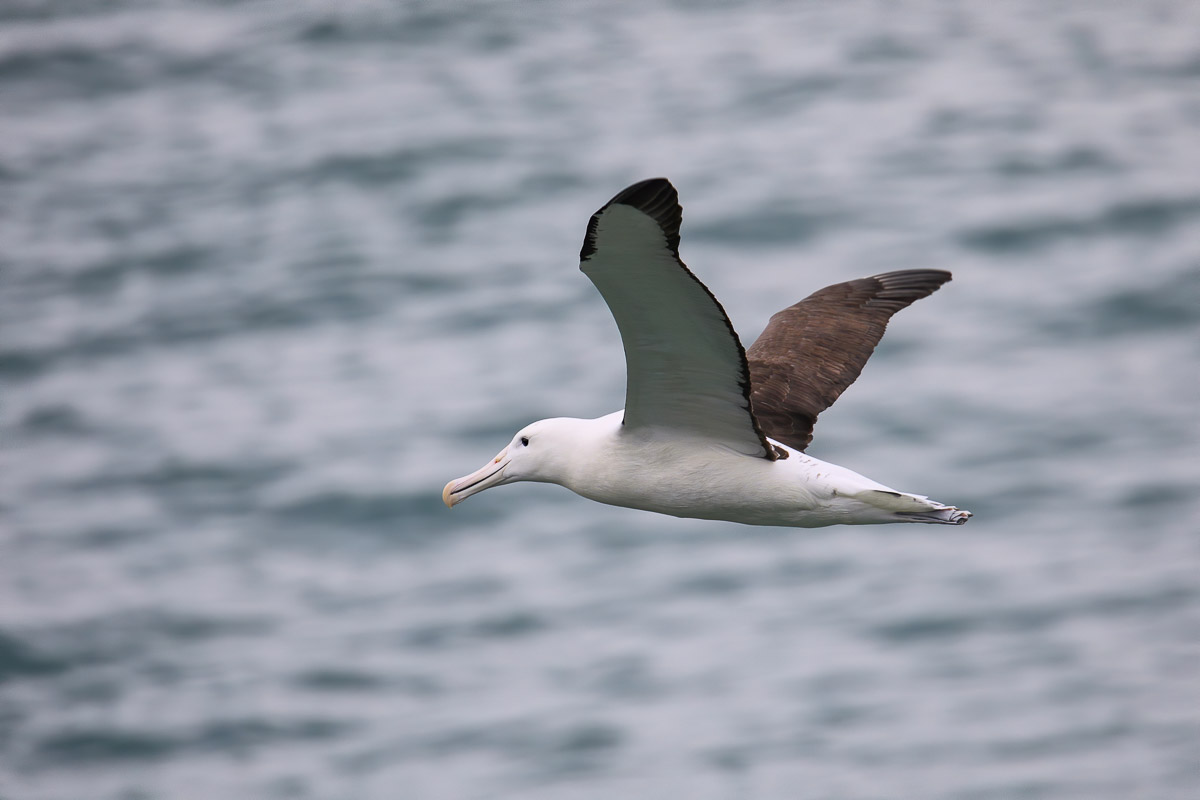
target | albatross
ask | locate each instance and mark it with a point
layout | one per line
(710, 429)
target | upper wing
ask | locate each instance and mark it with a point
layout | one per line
(685, 368)
(810, 352)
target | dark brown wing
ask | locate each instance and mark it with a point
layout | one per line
(812, 351)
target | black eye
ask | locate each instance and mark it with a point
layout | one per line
(525, 441)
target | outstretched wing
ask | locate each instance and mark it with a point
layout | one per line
(810, 352)
(685, 368)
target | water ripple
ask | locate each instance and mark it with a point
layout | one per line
(1142, 217)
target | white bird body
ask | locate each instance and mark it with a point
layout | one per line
(702, 479)
(656, 469)
(711, 430)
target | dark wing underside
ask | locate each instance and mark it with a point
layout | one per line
(810, 352)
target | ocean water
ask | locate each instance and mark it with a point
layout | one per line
(271, 273)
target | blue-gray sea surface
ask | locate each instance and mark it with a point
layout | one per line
(271, 273)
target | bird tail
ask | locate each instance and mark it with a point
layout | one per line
(914, 507)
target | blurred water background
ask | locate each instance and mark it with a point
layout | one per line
(272, 272)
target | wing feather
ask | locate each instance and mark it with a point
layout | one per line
(811, 351)
(686, 369)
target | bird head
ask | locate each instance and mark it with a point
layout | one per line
(538, 452)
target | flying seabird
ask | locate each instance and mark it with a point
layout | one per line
(711, 430)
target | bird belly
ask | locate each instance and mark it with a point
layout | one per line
(704, 480)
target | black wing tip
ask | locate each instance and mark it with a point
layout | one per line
(654, 197)
(912, 279)
(647, 194)
(908, 285)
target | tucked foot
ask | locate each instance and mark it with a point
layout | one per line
(947, 515)
(914, 507)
